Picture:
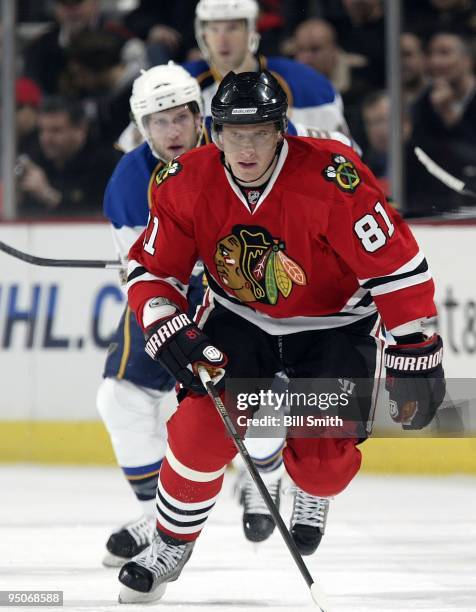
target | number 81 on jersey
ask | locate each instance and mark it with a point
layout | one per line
(369, 231)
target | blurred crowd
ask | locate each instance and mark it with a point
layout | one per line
(77, 60)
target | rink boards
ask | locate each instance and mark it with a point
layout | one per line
(55, 326)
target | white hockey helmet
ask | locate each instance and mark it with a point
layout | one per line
(226, 10)
(160, 88)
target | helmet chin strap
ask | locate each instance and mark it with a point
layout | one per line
(242, 181)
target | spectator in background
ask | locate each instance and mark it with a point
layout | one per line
(376, 114)
(31, 10)
(315, 44)
(376, 118)
(362, 32)
(270, 26)
(99, 76)
(434, 15)
(295, 11)
(27, 99)
(445, 124)
(45, 58)
(414, 78)
(168, 33)
(67, 173)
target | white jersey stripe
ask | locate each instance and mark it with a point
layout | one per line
(403, 283)
(183, 518)
(205, 309)
(378, 386)
(408, 267)
(147, 277)
(290, 325)
(177, 529)
(190, 473)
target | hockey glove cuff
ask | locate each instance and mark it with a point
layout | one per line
(415, 381)
(181, 346)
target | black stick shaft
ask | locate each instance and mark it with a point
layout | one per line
(59, 263)
(240, 445)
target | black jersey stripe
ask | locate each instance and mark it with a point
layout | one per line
(382, 280)
(136, 272)
(173, 508)
(177, 523)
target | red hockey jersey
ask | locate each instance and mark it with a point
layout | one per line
(320, 248)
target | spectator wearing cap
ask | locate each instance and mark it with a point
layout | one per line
(46, 57)
(27, 99)
(67, 173)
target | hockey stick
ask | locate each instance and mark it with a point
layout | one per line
(317, 594)
(441, 174)
(60, 263)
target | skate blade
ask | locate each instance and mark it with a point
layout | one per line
(129, 596)
(111, 560)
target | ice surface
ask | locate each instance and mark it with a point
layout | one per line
(392, 544)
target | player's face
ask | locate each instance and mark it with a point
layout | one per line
(173, 131)
(227, 43)
(249, 149)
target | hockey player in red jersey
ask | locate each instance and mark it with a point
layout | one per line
(303, 258)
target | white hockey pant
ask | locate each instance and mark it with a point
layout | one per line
(135, 418)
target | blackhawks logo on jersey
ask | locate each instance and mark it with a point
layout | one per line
(170, 169)
(255, 266)
(343, 173)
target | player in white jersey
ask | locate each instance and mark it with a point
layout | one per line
(135, 397)
(226, 34)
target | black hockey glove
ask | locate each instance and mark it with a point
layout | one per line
(181, 346)
(415, 380)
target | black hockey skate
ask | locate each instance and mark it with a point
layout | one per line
(258, 524)
(308, 521)
(129, 541)
(145, 578)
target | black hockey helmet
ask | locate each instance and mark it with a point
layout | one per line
(249, 97)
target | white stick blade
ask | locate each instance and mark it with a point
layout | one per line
(320, 598)
(440, 173)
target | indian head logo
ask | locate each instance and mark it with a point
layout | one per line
(255, 266)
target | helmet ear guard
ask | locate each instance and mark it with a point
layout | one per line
(216, 133)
